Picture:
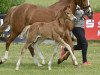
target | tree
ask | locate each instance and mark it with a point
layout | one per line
(5, 5)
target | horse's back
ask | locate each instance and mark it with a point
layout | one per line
(27, 14)
(40, 14)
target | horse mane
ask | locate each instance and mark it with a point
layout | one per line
(60, 18)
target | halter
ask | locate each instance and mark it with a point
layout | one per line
(85, 9)
(82, 5)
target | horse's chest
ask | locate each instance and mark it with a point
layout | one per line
(59, 30)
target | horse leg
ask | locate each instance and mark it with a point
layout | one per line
(26, 46)
(54, 53)
(68, 39)
(8, 42)
(21, 55)
(69, 49)
(64, 57)
(24, 31)
(34, 57)
(31, 49)
(31, 38)
(59, 39)
(38, 50)
(39, 53)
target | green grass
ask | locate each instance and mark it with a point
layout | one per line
(94, 3)
(42, 2)
(66, 68)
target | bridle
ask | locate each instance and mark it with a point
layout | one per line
(86, 9)
(82, 5)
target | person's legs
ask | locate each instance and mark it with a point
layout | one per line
(76, 47)
(77, 33)
(82, 42)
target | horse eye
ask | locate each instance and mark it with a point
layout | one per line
(67, 13)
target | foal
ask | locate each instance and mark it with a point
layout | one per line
(54, 30)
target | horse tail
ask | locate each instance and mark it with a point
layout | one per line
(24, 31)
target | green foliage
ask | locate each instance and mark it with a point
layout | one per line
(5, 5)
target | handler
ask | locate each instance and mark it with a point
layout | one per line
(79, 33)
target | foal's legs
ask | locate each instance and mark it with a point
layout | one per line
(26, 46)
(31, 49)
(69, 49)
(34, 57)
(38, 50)
(8, 42)
(68, 39)
(54, 53)
(22, 54)
(39, 53)
(59, 39)
(31, 38)
(24, 31)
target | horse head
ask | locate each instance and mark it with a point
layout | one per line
(85, 5)
(66, 13)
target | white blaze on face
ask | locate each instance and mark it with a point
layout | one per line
(89, 7)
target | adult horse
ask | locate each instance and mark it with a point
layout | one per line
(27, 14)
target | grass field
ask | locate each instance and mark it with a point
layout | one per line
(66, 68)
(94, 3)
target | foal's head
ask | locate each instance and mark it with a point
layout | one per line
(65, 13)
(68, 13)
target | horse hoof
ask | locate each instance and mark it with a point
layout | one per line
(39, 65)
(17, 68)
(49, 68)
(43, 62)
(1, 62)
(59, 61)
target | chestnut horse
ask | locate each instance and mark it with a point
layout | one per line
(27, 14)
(54, 30)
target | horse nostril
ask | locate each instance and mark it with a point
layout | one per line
(88, 12)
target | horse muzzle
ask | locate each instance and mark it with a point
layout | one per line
(89, 14)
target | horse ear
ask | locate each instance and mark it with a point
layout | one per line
(67, 6)
(64, 8)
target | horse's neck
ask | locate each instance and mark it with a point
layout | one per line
(72, 5)
(58, 5)
(69, 24)
(61, 3)
(61, 23)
